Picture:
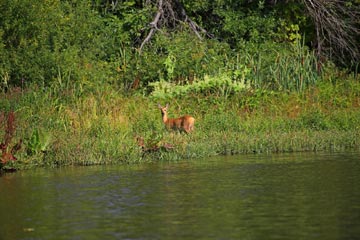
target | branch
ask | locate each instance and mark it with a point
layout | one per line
(169, 13)
(147, 39)
(193, 25)
(335, 26)
(153, 25)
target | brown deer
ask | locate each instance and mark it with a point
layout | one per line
(181, 124)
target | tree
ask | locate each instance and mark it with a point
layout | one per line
(335, 23)
(337, 28)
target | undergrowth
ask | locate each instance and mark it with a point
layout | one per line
(57, 128)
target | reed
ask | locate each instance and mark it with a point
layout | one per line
(292, 69)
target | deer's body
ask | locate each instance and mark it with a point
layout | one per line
(181, 124)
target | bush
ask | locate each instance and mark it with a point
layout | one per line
(221, 86)
(41, 40)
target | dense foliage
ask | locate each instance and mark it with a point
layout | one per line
(80, 80)
(97, 42)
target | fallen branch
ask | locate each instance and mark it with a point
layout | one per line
(153, 24)
(168, 14)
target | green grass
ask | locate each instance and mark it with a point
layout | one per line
(59, 128)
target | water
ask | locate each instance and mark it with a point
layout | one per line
(285, 196)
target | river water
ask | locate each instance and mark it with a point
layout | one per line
(282, 196)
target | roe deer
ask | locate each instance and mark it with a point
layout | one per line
(182, 124)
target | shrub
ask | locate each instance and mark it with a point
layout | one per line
(221, 85)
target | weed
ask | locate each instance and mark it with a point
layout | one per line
(8, 150)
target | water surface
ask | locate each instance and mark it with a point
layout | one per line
(282, 196)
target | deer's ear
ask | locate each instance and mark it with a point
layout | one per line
(159, 106)
(167, 105)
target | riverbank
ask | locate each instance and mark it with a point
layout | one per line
(51, 128)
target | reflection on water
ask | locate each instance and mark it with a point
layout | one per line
(285, 196)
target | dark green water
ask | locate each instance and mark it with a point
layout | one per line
(296, 196)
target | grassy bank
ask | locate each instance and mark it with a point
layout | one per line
(62, 127)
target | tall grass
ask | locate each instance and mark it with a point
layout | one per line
(286, 69)
(103, 127)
